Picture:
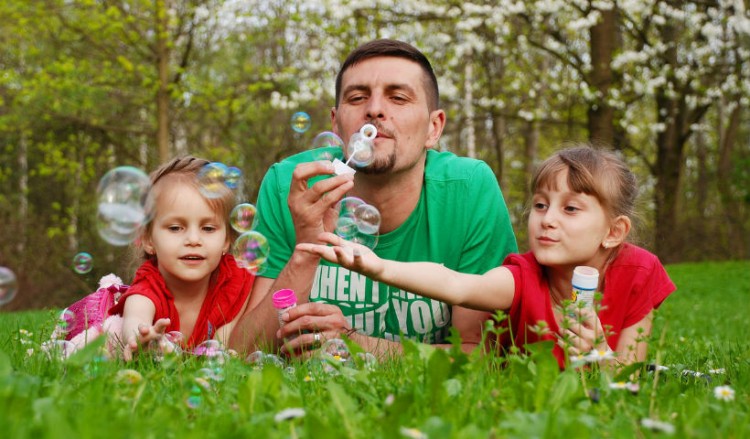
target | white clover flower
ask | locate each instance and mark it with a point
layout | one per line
(598, 355)
(389, 399)
(290, 413)
(29, 352)
(724, 393)
(412, 433)
(622, 385)
(656, 425)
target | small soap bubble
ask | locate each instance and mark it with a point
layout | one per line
(336, 348)
(369, 241)
(360, 150)
(368, 360)
(194, 400)
(83, 263)
(243, 217)
(346, 227)
(256, 358)
(251, 250)
(8, 285)
(233, 177)
(175, 337)
(58, 349)
(358, 222)
(212, 180)
(122, 209)
(301, 122)
(367, 218)
(65, 321)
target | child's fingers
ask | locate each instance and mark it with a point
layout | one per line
(161, 326)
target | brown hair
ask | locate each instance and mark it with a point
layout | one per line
(593, 171)
(185, 170)
(398, 49)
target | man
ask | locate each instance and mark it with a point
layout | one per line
(434, 207)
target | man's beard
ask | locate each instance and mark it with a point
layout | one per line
(380, 166)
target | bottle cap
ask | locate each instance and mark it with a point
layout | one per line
(284, 298)
(585, 278)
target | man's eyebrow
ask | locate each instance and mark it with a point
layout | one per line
(355, 87)
(405, 87)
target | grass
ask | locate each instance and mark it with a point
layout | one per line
(426, 393)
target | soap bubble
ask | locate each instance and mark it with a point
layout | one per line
(327, 139)
(8, 285)
(65, 321)
(122, 206)
(360, 150)
(212, 179)
(358, 222)
(243, 217)
(251, 250)
(301, 122)
(322, 143)
(233, 177)
(336, 348)
(367, 218)
(83, 263)
(58, 349)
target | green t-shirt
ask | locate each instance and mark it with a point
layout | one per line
(460, 221)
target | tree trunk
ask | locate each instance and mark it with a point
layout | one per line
(162, 65)
(469, 107)
(600, 114)
(730, 203)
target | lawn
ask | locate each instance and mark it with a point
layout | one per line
(700, 342)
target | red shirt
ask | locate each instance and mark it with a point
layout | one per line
(634, 284)
(227, 292)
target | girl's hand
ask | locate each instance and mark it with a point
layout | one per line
(582, 332)
(148, 337)
(355, 257)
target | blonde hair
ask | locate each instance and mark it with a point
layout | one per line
(185, 170)
(597, 172)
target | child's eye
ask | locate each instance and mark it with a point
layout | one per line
(174, 228)
(571, 209)
(209, 228)
(540, 206)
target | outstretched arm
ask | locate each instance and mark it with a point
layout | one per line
(487, 292)
(137, 327)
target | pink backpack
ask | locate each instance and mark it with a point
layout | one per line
(91, 311)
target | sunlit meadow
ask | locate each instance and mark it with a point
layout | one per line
(695, 384)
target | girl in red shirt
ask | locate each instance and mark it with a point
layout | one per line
(581, 209)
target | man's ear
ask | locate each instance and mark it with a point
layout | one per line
(437, 123)
(618, 232)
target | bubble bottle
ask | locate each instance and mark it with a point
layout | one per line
(585, 282)
(283, 300)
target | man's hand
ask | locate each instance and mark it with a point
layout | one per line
(309, 325)
(313, 208)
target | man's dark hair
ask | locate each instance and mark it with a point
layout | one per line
(398, 49)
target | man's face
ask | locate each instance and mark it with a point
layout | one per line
(388, 92)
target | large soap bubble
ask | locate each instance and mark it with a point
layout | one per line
(122, 209)
(251, 250)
